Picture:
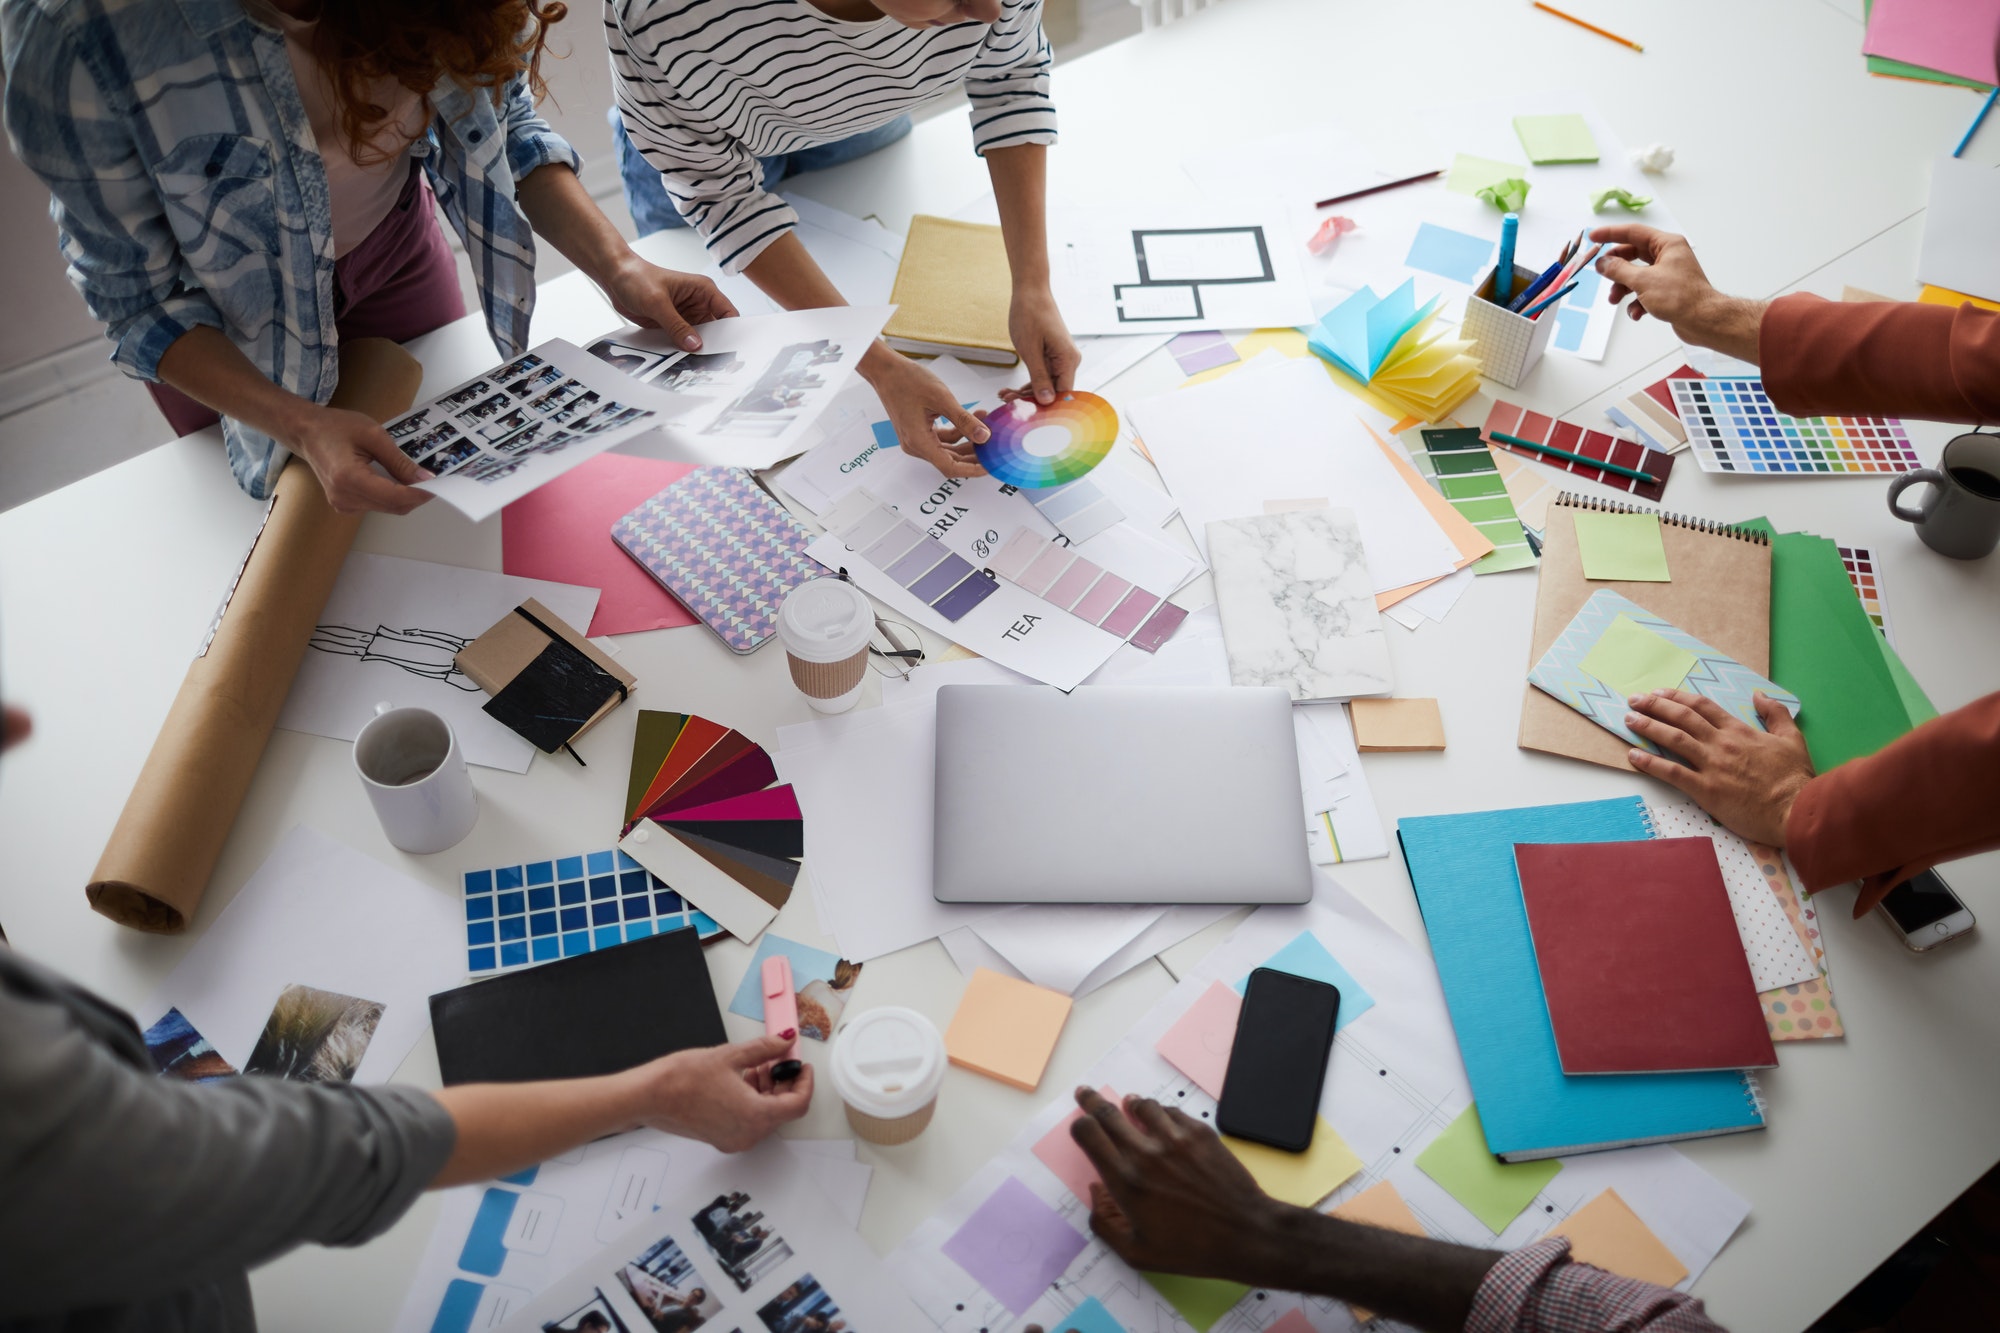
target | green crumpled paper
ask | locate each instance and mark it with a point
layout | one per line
(1621, 196)
(1507, 195)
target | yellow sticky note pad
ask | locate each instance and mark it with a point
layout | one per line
(1622, 546)
(1632, 659)
(1605, 1233)
(1378, 1206)
(1006, 1028)
(1302, 1178)
(1470, 175)
(1945, 296)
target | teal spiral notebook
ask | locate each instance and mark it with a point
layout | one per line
(1462, 867)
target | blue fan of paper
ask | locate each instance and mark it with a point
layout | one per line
(1358, 334)
(1715, 674)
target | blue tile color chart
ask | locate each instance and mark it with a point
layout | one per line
(520, 915)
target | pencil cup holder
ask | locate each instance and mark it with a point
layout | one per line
(1508, 345)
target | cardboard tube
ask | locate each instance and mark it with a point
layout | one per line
(171, 833)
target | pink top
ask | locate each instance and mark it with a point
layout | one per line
(362, 192)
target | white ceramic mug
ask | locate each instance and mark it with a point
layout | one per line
(415, 774)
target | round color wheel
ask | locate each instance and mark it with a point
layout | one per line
(1033, 446)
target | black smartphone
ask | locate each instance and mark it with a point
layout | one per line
(1277, 1064)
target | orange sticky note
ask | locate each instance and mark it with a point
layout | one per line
(1387, 725)
(1605, 1233)
(1945, 296)
(1379, 1206)
(1006, 1028)
(1198, 1043)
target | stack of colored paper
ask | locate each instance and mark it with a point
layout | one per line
(1390, 345)
(1938, 41)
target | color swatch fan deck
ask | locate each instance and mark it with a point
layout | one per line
(1034, 446)
(1734, 427)
(701, 813)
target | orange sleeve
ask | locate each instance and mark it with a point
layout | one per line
(1925, 798)
(1881, 358)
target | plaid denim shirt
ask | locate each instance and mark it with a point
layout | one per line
(188, 188)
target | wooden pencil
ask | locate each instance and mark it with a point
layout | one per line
(1601, 32)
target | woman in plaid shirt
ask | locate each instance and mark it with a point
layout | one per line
(239, 183)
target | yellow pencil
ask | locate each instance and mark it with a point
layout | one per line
(1622, 41)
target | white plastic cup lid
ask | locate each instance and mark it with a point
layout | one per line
(888, 1062)
(825, 620)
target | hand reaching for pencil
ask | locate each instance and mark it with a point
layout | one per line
(1659, 271)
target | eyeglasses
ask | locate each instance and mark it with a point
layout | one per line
(894, 649)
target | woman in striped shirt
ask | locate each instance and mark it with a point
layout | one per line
(716, 93)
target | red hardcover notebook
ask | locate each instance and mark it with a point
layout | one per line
(1641, 964)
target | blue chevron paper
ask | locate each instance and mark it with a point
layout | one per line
(724, 547)
(1715, 674)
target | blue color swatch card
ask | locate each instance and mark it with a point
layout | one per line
(520, 915)
(1615, 648)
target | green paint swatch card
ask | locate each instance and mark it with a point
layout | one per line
(1622, 546)
(1493, 1191)
(1548, 139)
(1631, 659)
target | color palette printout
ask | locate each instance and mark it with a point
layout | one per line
(1085, 589)
(917, 562)
(1035, 446)
(520, 915)
(1734, 427)
(1866, 576)
(1538, 428)
(1463, 469)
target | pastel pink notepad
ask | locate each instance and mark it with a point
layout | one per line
(1198, 1043)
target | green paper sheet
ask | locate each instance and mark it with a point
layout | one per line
(1470, 175)
(1620, 196)
(1509, 196)
(1622, 546)
(1632, 659)
(1548, 139)
(1916, 703)
(1200, 1300)
(1493, 1191)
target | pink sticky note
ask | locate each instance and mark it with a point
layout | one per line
(562, 531)
(1060, 1154)
(1293, 1322)
(1956, 36)
(1198, 1044)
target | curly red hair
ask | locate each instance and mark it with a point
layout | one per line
(418, 43)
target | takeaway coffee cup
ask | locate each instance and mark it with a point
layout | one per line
(888, 1064)
(1961, 515)
(415, 774)
(825, 625)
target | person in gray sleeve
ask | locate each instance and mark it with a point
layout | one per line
(132, 1202)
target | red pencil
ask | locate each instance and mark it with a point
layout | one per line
(1377, 189)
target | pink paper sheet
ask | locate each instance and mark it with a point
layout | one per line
(563, 532)
(1198, 1044)
(1955, 36)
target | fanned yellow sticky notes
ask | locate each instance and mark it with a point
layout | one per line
(1492, 1190)
(1302, 1178)
(1626, 547)
(1632, 659)
(1200, 1300)
(1605, 1233)
(1379, 1206)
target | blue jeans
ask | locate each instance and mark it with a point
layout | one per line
(653, 211)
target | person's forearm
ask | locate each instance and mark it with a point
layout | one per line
(504, 1127)
(1426, 1283)
(203, 364)
(1729, 324)
(789, 275)
(1020, 187)
(562, 212)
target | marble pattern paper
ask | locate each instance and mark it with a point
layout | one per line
(1298, 604)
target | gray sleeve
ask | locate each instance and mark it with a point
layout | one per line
(120, 1185)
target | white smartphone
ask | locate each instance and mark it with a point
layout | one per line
(1925, 913)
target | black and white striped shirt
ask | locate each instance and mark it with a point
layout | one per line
(706, 87)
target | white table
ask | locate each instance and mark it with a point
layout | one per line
(1796, 172)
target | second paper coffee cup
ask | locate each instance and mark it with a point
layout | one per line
(887, 1065)
(825, 625)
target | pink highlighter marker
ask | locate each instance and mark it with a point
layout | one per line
(781, 1003)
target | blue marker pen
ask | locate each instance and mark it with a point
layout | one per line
(1503, 276)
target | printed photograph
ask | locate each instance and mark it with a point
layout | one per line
(595, 1317)
(461, 398)
(483, 409)
(530, 437)
(579, 406)
(634, 361)
(803, 1307)
(179, 1051)
(665, 1286)
(487, 469)
(314, 1036)
(742, 1242)
(699, 370)
(404, 427)
(501, 426)
(430, 441)
(609, 417)
(525, 362)
(557, 396)
(454, 455)
(772, 403)
(822, 1002)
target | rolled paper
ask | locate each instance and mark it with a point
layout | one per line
(157, 864)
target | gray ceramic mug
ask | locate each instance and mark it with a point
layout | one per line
(1961, 516)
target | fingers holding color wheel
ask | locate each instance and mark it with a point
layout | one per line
(1035, 446)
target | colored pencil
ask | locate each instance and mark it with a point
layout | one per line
(1977, 120)
(1538, 307)
(1601, 32)
(1553, 452)
(1535, 288)
(1377, 189)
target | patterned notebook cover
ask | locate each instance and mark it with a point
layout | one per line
(1715, 674)
(724, 547)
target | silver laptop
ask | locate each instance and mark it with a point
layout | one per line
(1118, 795)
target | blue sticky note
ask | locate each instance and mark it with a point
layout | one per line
(460, 1304)
(1305, 956)
(1570, 326)
(1449, 254)
(808, 965)
(1358, 334)
(1090, 1317)
(483, 1252)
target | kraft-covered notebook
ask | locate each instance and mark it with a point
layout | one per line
(952, 293)
(1719, 592)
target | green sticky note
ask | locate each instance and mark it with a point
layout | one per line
(1549, 139)
(1632, 659)
(1620, 196)
(1622, 546)
(1201, 1300)
(1470, 175)
(1509, 196)
(1493, 1191)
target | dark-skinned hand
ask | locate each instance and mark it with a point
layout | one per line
(1746, 778)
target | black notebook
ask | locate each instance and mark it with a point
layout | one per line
(596, 1013)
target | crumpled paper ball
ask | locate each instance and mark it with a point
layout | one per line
(1654, 158)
